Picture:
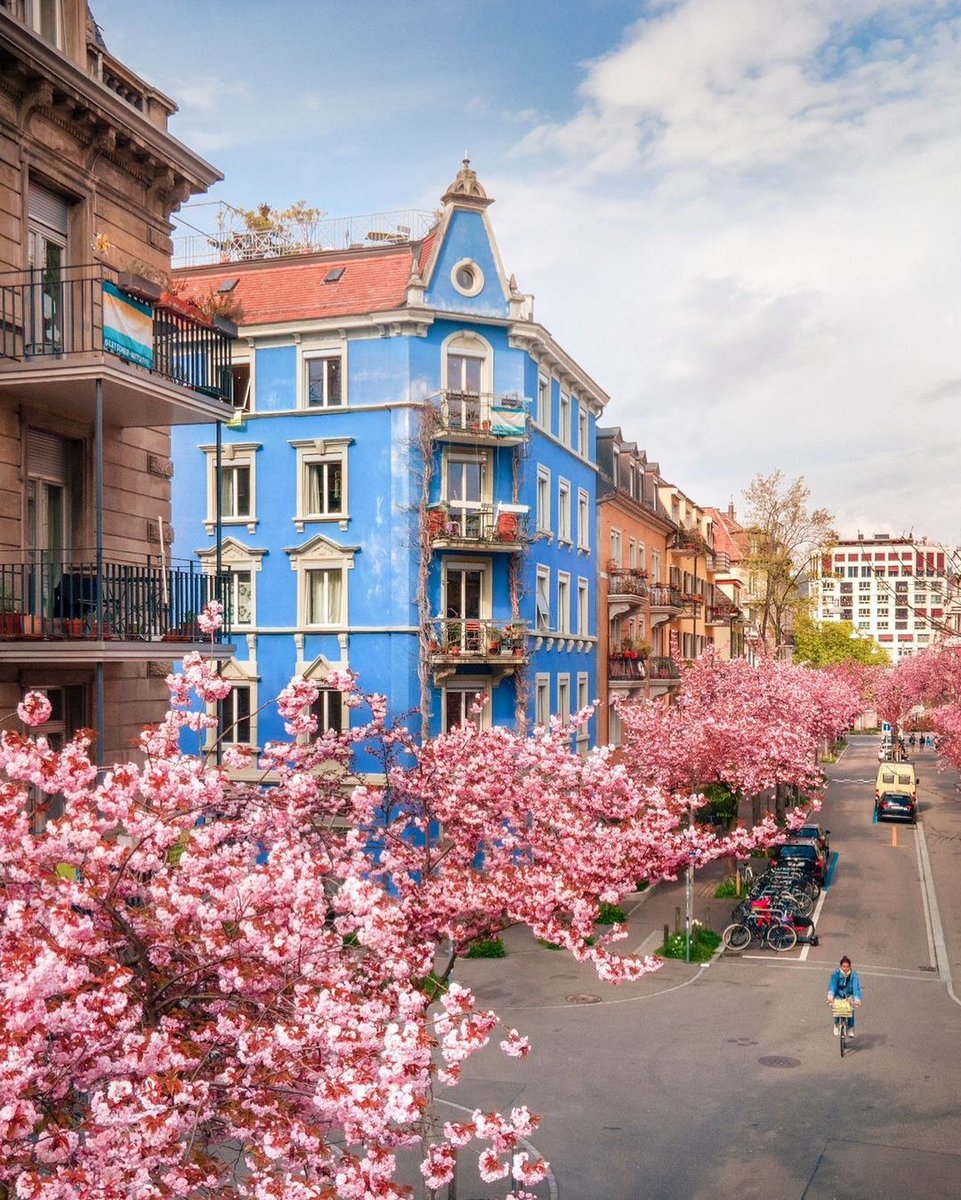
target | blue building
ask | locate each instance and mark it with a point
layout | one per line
(408, 487)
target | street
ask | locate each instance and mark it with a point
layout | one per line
(725, 1079)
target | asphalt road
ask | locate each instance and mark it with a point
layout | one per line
(726, 1080)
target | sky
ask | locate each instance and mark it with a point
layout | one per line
(741, 217)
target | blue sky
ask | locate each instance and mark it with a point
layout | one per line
(741, 216)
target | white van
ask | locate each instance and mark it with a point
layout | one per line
(897, 777)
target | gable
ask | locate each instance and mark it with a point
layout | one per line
(466, 238)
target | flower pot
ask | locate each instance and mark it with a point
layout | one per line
(11, 625)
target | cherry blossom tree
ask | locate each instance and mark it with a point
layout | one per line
(221, 989)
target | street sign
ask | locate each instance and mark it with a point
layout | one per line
(885, 726)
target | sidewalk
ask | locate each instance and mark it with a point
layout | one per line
(665, 904)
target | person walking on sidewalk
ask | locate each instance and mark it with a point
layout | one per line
(845, 985)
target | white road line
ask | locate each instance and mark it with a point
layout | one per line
(918, 835)
(802, 957)
(875, 972)
(940, 946)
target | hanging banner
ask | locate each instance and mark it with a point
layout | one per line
(127, 326)
(508, 422)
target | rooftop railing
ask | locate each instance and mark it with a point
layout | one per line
(52, 315)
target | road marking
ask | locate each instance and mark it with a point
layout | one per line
(940, 947)
(924, 899)
(802, 957)
(795, 964)
(530, 1147)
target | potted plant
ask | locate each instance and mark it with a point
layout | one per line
(11, 621)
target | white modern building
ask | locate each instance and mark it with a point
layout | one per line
(901, 591)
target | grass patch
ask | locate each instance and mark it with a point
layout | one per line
(487, 948)
(548, 945)
(703, 944)
(726, 890)
(611, 914)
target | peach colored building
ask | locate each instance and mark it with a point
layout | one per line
(95, 364)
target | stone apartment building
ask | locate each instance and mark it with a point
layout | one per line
(96, 363)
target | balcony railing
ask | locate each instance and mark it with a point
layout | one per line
(53, 315)
(487, 526)
(481, 416)
(663, 668)
(476, 637)
(625, 582)
(663, 596)
(49, 597)
(621, 667)
(721, 614)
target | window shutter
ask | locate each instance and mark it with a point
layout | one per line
(48, 208)
(46, 455)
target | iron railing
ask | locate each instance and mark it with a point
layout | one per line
(481, 415)
(621, 667)
(663, 668)
(625, 582)
(53, 314)
(46, 596)
(476, 637)
(485, 525)
(663, 596)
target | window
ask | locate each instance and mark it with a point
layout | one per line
(583, 520)
(852, 572)
(324, 596)
(583, 609)
(615, 547)
(542, 700)
(236, 723)
(543, 500)
(543, 402)
(632, 554)
(866, 571)
(564, 698)
(864, 612)
(864, 587)
(864, 624)
(583, 736)
(328, 708)
(325, 382)
(241, 597)
(563, 602)
(543, 599)
(237, 484)
(583, 431)
(564, 423)
(467, 277)
(564, 511)
(900, 624)
(466, 364)
(656, 566)
(43, 16)
(321, 480)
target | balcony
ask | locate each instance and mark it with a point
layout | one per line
(721, 614)
(459, 641)
(488, 527)
(56, 610)
(664, 669)
(626, 588)
(482, 419)
(159, 359)
(666, 598)
(626, 669)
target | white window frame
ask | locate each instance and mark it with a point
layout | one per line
(233, 454)
(617, 548)
(564, 697)
(321, 554)
(583, 607)
(235, 556)
(308, 357)
(240, 673)
(542, 699)
(583, 431)
(564, 602)
(583, 520)
(544, 500)
(564, 418)
(246, 404)
(330, 571)
(655, 566)
(564, 533)
(583, 736)
(544, 389)
(543, 595)
(469, 687)
(316, 452)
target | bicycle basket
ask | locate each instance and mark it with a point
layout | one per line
(843, 1008)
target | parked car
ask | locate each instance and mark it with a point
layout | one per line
(803, 854)
(896, 806)
(814, 833)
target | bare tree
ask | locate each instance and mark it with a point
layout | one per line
(784, 536)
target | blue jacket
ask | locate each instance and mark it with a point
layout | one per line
(844, 988)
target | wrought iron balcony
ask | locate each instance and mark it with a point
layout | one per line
(663, 596)
(721, 614)
(481, 418)
(50, 598)
(663, 668)
(486, 527)
(626, 583)
(61, 331)
(453, 639)
(626, 668)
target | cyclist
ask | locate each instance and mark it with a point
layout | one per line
(845, 985)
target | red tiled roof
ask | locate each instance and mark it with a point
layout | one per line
(729, 535)
(272, 290)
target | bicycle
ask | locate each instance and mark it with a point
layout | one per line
(768, 928)
(842, 1009)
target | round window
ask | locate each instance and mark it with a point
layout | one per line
(467, 277)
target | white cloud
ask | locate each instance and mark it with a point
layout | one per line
(745, 233)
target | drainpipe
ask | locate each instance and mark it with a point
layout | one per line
(218, 568)
(98, 482)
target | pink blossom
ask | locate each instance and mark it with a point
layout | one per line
(211, 619)
(34, 709)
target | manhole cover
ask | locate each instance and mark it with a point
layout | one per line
(778, 1060)
(583, 998)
